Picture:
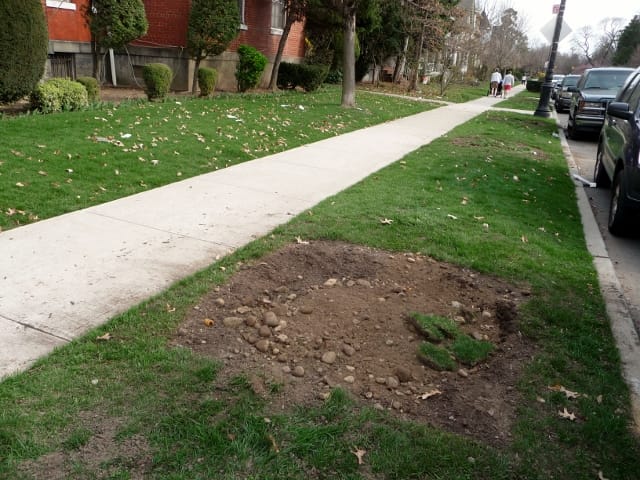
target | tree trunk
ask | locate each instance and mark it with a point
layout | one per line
(194, 84)
(400, 61)
(96, 60)
(273, 83)
(414, 75)
(349, 62)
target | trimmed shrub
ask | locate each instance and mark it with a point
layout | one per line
(207, 79)
(93, 89)
(309, 77)
(250, 67)
(157, 80)
(59, 94)
(23, 43)
(534, 85)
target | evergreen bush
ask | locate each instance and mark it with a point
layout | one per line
(93, 89)
(23, 43)
(59, 94)
(207, 79)
(157, 80)
(334, 77)
(309, 77)
(251, 64)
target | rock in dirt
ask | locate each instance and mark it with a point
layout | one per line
(298, 371)
(348, 350)
(232, 322)
(306, 310)
(403, 374)
(392, 382)
(271, 319)
(264, 331)
(329, 357)
(262, 346)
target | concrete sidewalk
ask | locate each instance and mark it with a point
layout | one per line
(61, 277)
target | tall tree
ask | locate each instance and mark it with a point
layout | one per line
(213, 24)
(113, 24)
(628, 43)
(347, 10)
(294, 11)
(23, 42)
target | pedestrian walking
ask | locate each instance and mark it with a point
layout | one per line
(507, 83)
(496, 78)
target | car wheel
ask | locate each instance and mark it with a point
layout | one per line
(618, 213)
(572, 132)
(599, 173)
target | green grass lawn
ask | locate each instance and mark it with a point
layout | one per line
(53, 164)
(454, 92)
(524, 100)
(519, 221)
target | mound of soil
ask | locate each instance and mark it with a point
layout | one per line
(314, 316)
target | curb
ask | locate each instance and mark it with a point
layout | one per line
(622, 326)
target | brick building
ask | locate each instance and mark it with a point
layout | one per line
(70, 48)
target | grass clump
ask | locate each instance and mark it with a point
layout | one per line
(469, 350)
(436, 357)
(434, 327)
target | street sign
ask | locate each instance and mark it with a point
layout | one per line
(549, 28)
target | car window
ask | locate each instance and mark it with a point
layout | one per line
(606, 80)
(634, 99)
(629, 89)
(570, 81)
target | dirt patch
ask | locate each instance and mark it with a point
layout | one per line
(311, 317)
(100, 456)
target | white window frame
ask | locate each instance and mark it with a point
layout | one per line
(62, 5)
(241, 8)
(277, 24)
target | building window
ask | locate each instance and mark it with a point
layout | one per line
(63, 5)
(241, 4)
(277, 17)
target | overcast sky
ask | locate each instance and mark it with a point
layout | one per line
(577, 14)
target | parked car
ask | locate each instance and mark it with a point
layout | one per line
(590, 97)
(618, 157)
(556, 80)
(563, 95)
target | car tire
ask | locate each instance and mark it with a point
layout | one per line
(572, 132)
(599, 173)
(618, 222)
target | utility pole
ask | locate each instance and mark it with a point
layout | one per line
(543, 109)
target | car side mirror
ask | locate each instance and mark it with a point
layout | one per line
(620, 110)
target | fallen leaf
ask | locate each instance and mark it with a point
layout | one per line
(601, 476)
(569, 394)
(69, 170)
(464, 201)
(170, 309)
(429, 394)
(540, 400)
(19, 184)
(386, 221)
(599, 399)
(208, 322)
(524, 239)
(566, 414)
(359, 453)
(453, 217)
(42, 172)
(301, 242)
(105, 338)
